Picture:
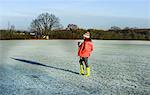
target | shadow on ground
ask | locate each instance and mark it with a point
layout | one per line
(37, 63)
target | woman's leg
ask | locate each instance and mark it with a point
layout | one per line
(81, 66)
(85, 59)
(81, 61)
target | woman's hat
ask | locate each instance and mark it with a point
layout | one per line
(87, 35)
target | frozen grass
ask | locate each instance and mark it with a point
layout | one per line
(50, 67)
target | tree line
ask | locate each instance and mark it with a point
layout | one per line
(48, 25)
(136, 34)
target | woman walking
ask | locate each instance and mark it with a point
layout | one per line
(84, 51)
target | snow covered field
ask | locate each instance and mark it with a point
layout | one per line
(50, 67)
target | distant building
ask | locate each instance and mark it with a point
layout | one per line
(32, 33)
(36, 34)
(46, 37)
(20, 33)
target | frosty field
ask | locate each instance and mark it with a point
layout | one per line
(50, 67)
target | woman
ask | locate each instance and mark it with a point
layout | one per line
(84, 52)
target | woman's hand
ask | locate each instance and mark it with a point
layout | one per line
(79, 43)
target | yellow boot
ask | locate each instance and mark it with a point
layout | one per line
(81, 70)
(88, 71)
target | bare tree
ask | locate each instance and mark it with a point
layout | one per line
(72, 27)
(45, 23)
(127, 28)
(12, 27)
(115, 28)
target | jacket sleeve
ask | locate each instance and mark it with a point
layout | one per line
(80, 49)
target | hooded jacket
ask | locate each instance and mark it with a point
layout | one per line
(85, 49)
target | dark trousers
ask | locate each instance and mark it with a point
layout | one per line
(85, 60)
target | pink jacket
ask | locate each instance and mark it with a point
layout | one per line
(85, 49)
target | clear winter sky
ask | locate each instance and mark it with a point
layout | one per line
(99, 14)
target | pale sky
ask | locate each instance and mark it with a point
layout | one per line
(99, 14)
